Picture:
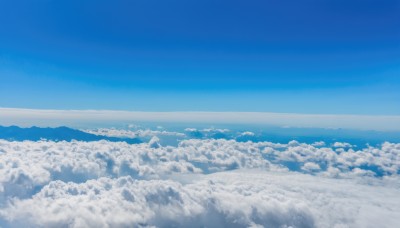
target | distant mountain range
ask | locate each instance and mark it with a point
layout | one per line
(14, 133)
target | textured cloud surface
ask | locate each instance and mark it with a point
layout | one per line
(198, 183)
(225, 199)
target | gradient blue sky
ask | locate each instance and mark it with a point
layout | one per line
(311, 56)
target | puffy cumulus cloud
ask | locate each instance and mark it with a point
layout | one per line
(216, 130)
(205, 183)
(342, 144)
(311, 166)
(27, 166)
(105, 202)
(376, 161)
(227, 199)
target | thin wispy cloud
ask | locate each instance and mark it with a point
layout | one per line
(28, 117)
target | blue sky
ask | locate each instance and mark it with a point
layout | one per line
(325, 56)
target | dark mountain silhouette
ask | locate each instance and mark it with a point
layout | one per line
(14, 133)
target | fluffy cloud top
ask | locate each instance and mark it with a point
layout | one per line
(204, 183)
(228, 199)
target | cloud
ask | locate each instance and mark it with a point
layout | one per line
(140, 133)
(310, 166)
(9, 116)
(164, 137)
(318, 144)
(228, 199)
(342, 144)
(204, 182)
(154, 142)
(27, 166)
(247, 133)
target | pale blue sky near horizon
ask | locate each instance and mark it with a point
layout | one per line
(318, 57)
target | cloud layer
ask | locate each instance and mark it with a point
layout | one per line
(200, 182)
(77, 117)
(229, 199)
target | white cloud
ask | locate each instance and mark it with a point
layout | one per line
(40, 162)
(154, 142)
(24, 117)
(215, 130)
(229, 199)
(342, 144)
(318, 144)
(311, 166)
(140, 133)
(191, 129)
(115, 184)
(247, 133)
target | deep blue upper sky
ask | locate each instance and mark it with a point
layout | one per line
(311, 56)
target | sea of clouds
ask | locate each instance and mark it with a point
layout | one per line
(197, 183)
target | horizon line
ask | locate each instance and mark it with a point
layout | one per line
(51, 117)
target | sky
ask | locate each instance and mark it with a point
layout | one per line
(102, 118)
(312, 56)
